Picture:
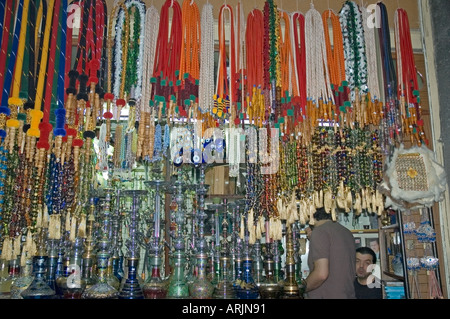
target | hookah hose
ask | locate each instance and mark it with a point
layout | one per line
(8, 76)
(14, 101)
(37, 114)
(388, 62)
(389, 75)
(224, 92)
(286, 57)
(408, 84)
(254, 46)
(300, 58)
(164, 62)
(5, 35)
(2, 18)
(336, 61)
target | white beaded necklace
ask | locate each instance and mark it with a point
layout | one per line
(371, 54)
(206, 81)
(318, 78)
(148, 60)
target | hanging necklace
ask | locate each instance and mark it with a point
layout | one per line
(374, 106)
(318, 81)
(299, 53)
(167, 65)
(206, 79)
(150, 40)
(391, 125)
(408, 89)
(225, 95)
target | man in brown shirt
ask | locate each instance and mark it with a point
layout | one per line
(331, 260)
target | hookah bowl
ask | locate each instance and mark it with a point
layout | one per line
(23, 281)
(224, 288)
(38, 288)
(155, 287)
(269, 288)
(201, 288)
(102, 289)
(178, 287)
(247, 289)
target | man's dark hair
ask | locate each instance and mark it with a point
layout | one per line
(321, 214)
(367, 251)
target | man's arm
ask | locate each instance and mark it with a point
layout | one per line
(318, 275)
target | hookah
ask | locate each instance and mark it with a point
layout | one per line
(215, 246)
(156, 287)
(224, 288)
(237, 265)
(89, 246)
(234, 236)
(290, 289)
(297, 253)
(247, 288)
(26, 269)
(54, 249)
(178, 287)
(116, 260)
(131, 288)
(39, 289)
(201, 288)
(258, 264)
(270, 288)
(9, 266)
(102, 289)
(71, 284)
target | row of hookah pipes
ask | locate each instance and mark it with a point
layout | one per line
(294, 82)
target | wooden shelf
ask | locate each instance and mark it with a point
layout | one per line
(392, 275)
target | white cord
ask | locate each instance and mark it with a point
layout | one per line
(206, 81)
(150, 39)
(318, 78)
(118, 60)
(371, 53)
(103, 148)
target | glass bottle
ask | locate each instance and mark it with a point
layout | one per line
(177, 284)
(102, 288)
(248, 288)
(38, 288)
(88, 271)
(10, 272)
(52, 262)
(201, 288)
(24, 280)
(224, 288)
(72, 284)
(155, 287)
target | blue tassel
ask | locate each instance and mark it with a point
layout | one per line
(60, 117)
(5, 110)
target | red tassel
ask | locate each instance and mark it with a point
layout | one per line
(45, 129)
(77, 142)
